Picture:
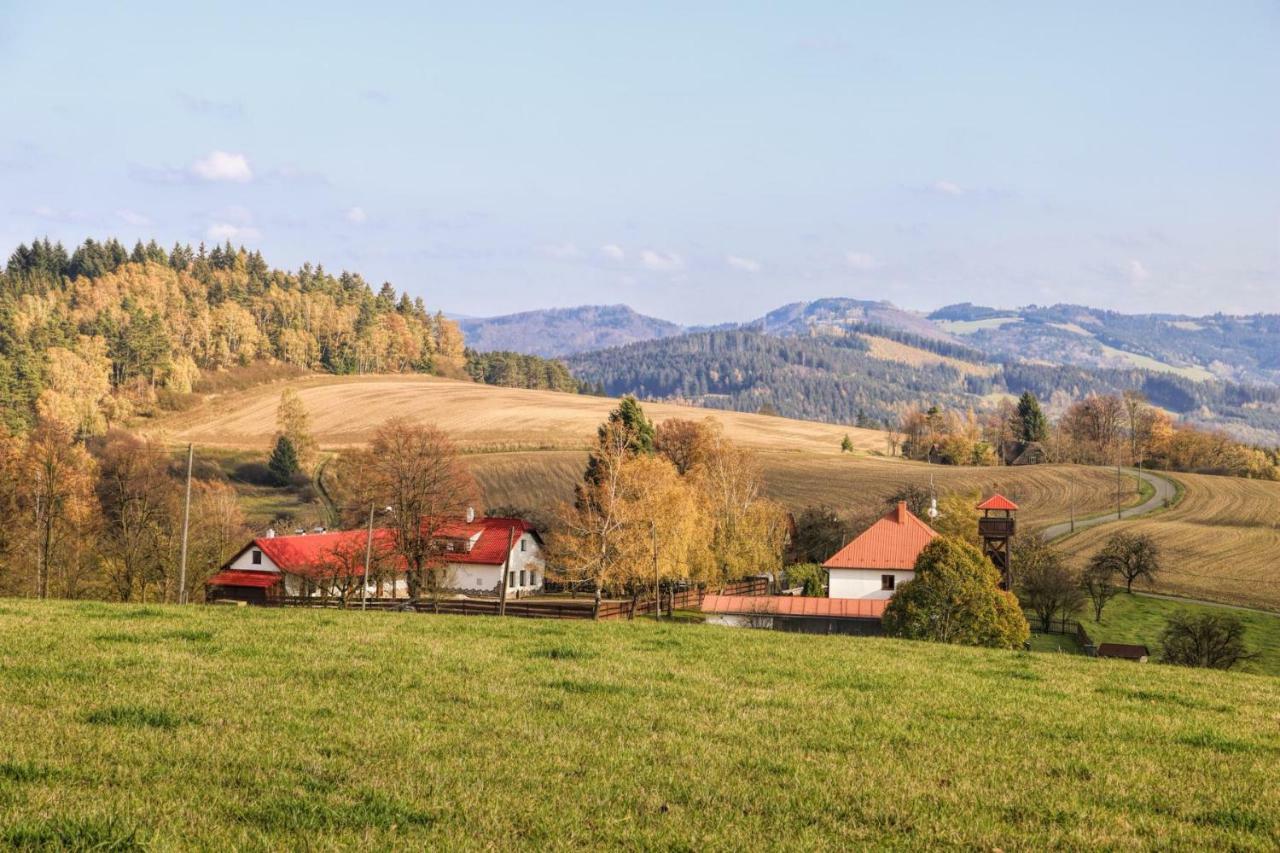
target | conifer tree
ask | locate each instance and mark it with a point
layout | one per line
(284, 461)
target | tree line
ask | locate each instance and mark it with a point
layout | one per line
(93, 337)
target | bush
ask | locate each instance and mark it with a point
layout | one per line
(955, 597)
(811, 576)
(1212, 640)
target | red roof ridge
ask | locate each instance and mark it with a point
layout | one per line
(998, 502)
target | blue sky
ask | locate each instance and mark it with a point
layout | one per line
(702, 162)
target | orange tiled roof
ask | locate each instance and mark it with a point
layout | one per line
(893, 542)
(998, 502)
(794, 605)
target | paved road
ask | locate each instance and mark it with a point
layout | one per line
(1164, 491)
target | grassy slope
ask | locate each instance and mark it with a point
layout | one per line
(250, 728)
(1141, 619)
(1218, 543)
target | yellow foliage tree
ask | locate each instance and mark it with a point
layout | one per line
(77, 383)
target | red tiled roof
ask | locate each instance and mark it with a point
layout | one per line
(893, 542)
(795, 605)
(228, 577)
(998, 502)
(300, 554)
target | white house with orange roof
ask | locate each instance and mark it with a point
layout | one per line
(883, 558)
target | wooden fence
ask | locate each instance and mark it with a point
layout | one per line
(540, 608)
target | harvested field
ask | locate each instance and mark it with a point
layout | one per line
(346, 410)
(891, 350)
(1219, 543)
(855, 486)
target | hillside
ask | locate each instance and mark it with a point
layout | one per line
(345, 411)
(1219, 543)
(561, 331)
(622, 734)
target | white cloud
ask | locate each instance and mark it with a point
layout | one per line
(1136, 271)
(861, 261)
(132, 217)
(661, 261)
(948, 188)
(357, 216)
(744, 264)
(613, 252)
(222, 231)
(223, 166)
(562, 251)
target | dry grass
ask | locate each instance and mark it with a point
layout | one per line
(345, 411)
(856, 486)
(890, 350)
(1219, 543)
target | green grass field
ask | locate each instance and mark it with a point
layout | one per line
(216, 727)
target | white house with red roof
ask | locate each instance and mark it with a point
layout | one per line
(883, 558)
(474, 553)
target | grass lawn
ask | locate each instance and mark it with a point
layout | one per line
(1141, 619)
(218, 727)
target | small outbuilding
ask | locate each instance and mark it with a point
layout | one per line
(1124, 651)
(796, 613)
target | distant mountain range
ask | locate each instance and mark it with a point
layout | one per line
(847, 360)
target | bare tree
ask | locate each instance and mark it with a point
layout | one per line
(1130, 555)
(414, 469)
(1044, 582)
(1213, 640)
(1097, 580)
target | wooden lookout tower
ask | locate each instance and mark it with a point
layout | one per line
(997, 527)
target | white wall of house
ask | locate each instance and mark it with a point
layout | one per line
(245, 561)
(865, 583)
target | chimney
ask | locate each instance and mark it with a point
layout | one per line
(471, 514)
(271, 533)
(901, 515)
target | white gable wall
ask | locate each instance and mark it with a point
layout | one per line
(864, 583)
(244, 561)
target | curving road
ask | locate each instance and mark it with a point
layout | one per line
(1165, 491)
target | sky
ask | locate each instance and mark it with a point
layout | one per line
(702, 162)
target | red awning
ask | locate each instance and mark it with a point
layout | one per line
(258, 580)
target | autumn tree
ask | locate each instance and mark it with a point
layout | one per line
(1043, 580)
(294, 423)
(818, 533)
(955, 597)
(1131, 556)
(139, 502)
(684, 442)
(55, 493)
(627, 428)
(415, 470)
(958, 516)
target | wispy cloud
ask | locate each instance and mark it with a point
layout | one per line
(132, 217)
(356, 215)
(562, 251)
(862, 261)
(223, 166)
(211, 107)
(661, 261)
(1136, 271)
(743, 264)
(947, 188)
(222, 231)
(613, 252)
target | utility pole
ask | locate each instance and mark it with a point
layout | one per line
(368, 555)
(657, 587)
(40, 541)
(1119, 514)
(186, 526)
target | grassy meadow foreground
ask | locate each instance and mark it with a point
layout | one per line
(221, 727)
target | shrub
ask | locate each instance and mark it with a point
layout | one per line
(811, 576)
(955, 597)
(1213, 640)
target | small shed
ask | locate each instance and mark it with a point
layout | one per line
(1124, 651)
(796, 614)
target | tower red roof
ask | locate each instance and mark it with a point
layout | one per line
(893, 542)
(998, 502)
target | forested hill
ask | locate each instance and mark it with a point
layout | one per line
(851, 378)
(561, 331)
(93, 336)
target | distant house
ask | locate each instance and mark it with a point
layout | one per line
(472, 554)
(883, 558)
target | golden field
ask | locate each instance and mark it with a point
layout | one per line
(1219, 543)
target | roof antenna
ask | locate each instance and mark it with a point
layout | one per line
(933, 500)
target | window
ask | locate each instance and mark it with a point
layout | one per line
(521, 544)
(256, 556)
(522, 577)
(886, 582)
(533, 578)
(511, 579)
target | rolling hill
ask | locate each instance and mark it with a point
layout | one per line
(561, 331)
(263, 728)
